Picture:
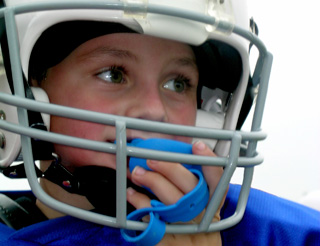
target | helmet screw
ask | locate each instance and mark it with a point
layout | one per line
(2, 140)
(2, 115)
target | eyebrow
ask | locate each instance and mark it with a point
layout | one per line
(120, 53)
(186, 61)
(102, 51)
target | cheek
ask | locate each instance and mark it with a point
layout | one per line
(75, 128)
(185, 114)
(73, 157)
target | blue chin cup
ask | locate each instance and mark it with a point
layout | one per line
(185, 209)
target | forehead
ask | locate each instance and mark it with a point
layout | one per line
(129, 45)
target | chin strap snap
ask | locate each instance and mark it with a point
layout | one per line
(185, 209)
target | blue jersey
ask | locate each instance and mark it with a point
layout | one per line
(268, 220)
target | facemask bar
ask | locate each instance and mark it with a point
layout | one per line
(261, 77)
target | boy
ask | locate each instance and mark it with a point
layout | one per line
(104, 64)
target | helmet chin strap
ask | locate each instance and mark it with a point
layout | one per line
(96, 183)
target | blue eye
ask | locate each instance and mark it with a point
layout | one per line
(178, 84)
(112, 75)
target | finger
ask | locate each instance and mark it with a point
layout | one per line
(139, 201)
(136, 199)
(212, 174)
(166, 191)
(177, 174)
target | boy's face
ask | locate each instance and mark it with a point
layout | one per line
(123, 74)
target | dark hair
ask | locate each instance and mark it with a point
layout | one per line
(219, 64)
(58, 41)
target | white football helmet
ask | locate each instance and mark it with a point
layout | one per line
(219, 32)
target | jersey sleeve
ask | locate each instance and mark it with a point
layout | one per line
(270, 220)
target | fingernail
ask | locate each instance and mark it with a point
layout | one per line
(200, 145)
(139, 171)
(130, 191)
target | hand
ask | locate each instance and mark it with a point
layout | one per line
(170, 187)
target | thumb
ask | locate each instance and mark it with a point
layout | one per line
(212, 174)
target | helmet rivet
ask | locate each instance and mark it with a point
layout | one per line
(2, 115)
(2, 140)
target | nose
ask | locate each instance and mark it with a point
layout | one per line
(147, 103)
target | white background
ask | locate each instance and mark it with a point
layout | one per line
(292, 116)
(290, 30)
